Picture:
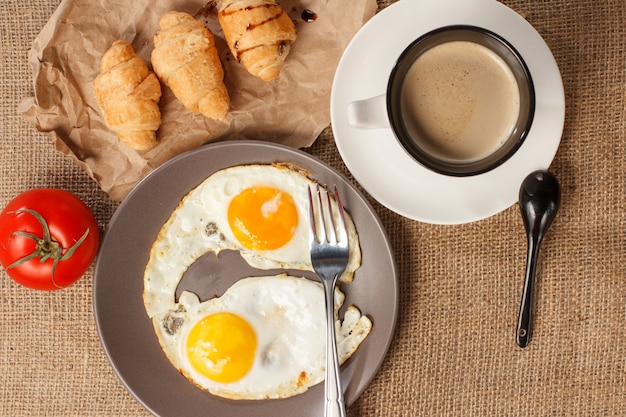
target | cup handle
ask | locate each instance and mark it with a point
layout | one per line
(370, 113)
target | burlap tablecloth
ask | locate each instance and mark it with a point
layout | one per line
(454, 352)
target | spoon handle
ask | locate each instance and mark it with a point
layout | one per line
(522, 335)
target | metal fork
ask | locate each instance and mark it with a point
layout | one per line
(328, 242)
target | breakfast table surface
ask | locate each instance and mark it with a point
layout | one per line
(453, 352)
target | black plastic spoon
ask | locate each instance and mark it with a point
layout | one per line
(539, 200)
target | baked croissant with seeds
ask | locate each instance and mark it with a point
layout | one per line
(259, 34)
(186, 60)
(128, 94)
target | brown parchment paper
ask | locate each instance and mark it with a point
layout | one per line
(292, 110)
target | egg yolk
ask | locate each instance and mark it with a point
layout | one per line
(263, 218)
(222, 347)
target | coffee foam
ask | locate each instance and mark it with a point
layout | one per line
(461, 99)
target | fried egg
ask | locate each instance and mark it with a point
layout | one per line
(259, 210)
(264, 338)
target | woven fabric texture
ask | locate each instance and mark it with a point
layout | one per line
(454, 352)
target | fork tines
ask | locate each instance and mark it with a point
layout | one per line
(321, 213)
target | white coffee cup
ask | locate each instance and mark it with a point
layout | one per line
(460, 100)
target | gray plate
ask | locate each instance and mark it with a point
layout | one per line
(126, 332)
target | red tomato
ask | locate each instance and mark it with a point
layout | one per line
(48, 238)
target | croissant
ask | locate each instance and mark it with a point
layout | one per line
(186, 60)
(128, 94)
(259, 34)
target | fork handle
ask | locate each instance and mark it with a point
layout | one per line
(335, 406)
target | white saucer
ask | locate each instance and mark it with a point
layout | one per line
(380, 164)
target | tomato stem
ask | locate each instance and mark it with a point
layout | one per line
(45, 247)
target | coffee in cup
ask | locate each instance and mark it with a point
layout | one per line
(460, 101)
